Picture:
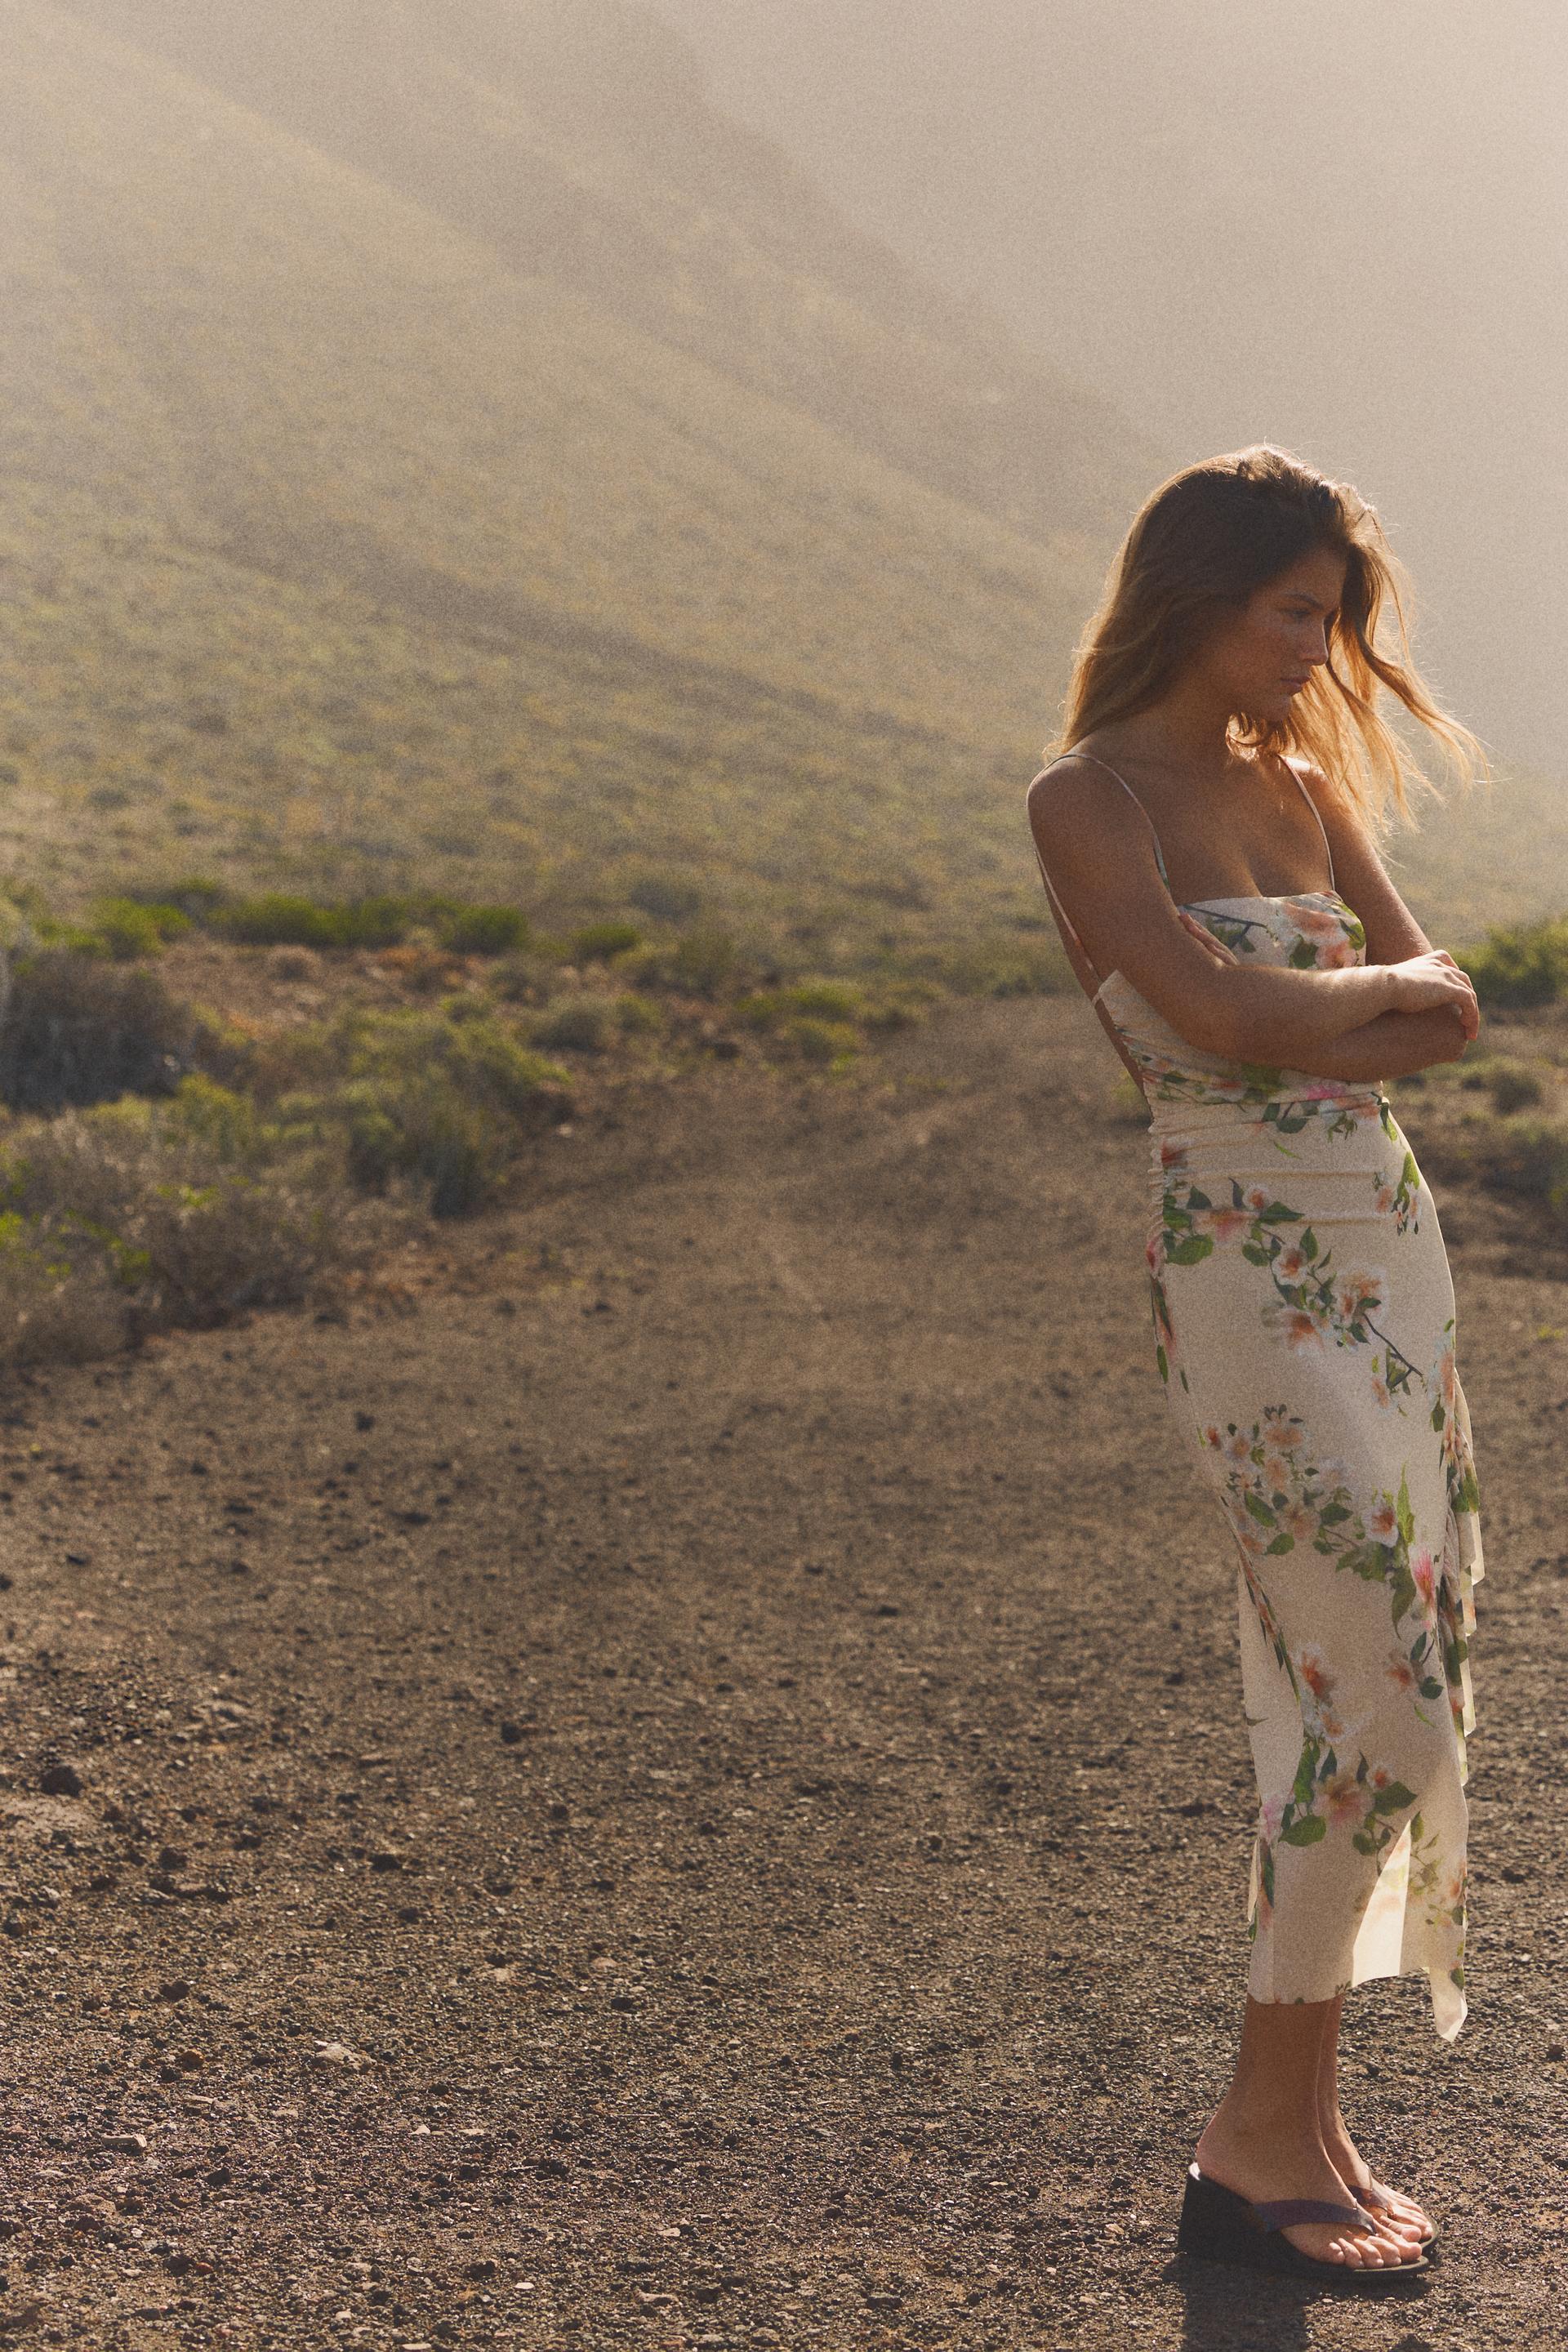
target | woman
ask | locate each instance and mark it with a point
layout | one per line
(1207, 836)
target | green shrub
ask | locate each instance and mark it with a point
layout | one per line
(129, 929)
(1522, 965)
(575, 1024)
(598, 943)
(760, 1008)
(481, 930)
(193, 894)
(441, 1102)
(637, 1016)
(899, 1007)
(668, 897)
(820, 1041)
(77, 1029)
(126, 1220)
(278, 920)
(829, 999)
(702, 960)
(1528, 1156)
(1513, 1086)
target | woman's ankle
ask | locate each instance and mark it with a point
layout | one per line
(1262, 2124)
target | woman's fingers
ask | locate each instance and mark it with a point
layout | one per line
(1205, 938)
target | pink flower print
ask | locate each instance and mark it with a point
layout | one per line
(1337, 957)
(1287, 1436)
(1343, 1798)
(1155, 1254)
(1173, 1155)
(1424, 1575)
(1291, 1263)
(1384, 1200)
(1224, 1224)
(1256, 1200)
(1238, 1446)
(1313, 1670)
(1301, 1330)
(1379, 1392)
(1448, 1378)
(1315, 922)
(1273, 1814)
(1358, 1291)
(1211, 1436)
(1323, 1090)
(1385, 1523)
(1300, 1522)
(1400, 1672)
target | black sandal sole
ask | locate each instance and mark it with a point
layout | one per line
(1218, 2225)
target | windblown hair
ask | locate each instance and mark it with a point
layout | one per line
(1206, 541)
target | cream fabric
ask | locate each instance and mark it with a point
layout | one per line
(1304, 1327)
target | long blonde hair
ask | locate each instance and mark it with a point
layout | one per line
(1198, 549)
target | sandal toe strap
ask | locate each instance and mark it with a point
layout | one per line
(1289, 2212)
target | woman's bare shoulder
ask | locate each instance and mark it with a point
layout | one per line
(1076, 785)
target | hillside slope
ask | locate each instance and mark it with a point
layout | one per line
(343, 532)
(447, 444)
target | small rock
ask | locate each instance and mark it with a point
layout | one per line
(128, 2143)
(336, 2053)
(177, 1989)
(386, 1858)
(171, 1858)
(1554, 2049)
(60, 1780)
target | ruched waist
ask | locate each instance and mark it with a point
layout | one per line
(1280, 1113)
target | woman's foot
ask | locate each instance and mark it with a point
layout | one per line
(1398, 2213)
(1264, 2163)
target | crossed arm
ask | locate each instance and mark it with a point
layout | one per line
(1407, 1007)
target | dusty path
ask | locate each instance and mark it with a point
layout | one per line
(729, 1719)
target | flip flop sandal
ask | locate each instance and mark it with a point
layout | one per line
(1373, 2195)
(1219, 2226)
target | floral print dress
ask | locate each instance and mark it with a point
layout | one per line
(1303, 1325)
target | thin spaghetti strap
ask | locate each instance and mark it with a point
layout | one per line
(1099, 763)
(1322, 828)
(1069, 930)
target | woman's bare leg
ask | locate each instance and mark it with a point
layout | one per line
(1266, 2139)
(1402, 2212)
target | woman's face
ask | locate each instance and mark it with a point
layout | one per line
(1262, 658)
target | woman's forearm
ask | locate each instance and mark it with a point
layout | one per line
(1391, 1046)
(1271, 1015)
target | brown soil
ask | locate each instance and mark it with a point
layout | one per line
(684, 1784)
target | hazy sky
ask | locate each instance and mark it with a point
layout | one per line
(1343, 228)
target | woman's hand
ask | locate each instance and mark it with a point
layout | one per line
(1426, 984)
(1206, 938)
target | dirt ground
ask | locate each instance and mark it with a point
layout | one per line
(684, 1784)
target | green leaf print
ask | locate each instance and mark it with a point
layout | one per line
(1190, 1251)
(1394, 1799)
(1405, 1516)
(1304, 956)
(1255, 1506)
(1306, 1832)
(1283, 1543)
